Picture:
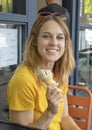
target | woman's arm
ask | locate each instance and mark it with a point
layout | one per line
(54, 98)
(67, 123)
(26, 118)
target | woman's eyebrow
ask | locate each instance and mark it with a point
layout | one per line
(46, 32)
(51, 33)
(60, 33)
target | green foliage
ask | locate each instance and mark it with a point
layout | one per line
(88, 6)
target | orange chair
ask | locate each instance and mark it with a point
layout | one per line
(80, 106)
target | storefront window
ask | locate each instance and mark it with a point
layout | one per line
(13, 6)
(85, 45)
(85, 58)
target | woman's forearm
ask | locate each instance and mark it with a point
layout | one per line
(68, 123)
(44, 121)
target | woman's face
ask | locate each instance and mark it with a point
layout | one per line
(51, 42)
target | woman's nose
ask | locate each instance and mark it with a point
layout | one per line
(53, 41)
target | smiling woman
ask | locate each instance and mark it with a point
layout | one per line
(31, 101)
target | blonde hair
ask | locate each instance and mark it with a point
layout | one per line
(65, 65)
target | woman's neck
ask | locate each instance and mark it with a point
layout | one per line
(48, 65)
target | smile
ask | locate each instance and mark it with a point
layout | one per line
(49, 50)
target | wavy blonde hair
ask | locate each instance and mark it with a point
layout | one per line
(65, 65)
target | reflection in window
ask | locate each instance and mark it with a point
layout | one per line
(10, 50)
(85, 58)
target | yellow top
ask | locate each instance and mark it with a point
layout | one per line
(24, 93)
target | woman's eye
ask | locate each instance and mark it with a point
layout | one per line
(60, 37)
(46, 36)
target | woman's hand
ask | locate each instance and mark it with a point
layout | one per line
(54, 98)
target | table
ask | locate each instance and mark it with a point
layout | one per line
(12, 126)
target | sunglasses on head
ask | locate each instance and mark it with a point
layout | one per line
(45, 14)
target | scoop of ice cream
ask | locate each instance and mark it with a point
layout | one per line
(46, 76)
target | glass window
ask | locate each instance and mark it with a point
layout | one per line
(86, 11)
(13, 6)
(10, 50)
(85, 58)
(85, 45)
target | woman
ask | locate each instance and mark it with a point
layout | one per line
(31, 102)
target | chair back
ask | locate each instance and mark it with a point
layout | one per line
(80, 106)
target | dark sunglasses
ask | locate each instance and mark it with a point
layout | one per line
(45, 14)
